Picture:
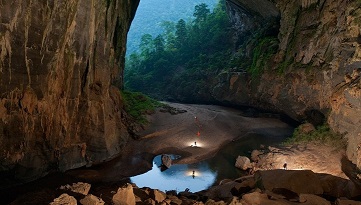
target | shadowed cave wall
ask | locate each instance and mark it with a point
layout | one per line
(59, 62)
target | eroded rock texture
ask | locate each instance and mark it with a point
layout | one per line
(59, 62)
(316, 71)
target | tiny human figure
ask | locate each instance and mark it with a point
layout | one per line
(195, 144)
(285, 166)
(193, 175)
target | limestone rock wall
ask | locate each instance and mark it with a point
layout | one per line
(59, 62)
(317, 67)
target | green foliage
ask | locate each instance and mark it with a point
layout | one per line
(322, 134)
(138, 104)
(151, 14)
(179, 60)
(201, 12)
(261, 55)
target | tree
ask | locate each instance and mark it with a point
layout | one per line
(146, 45)
(169, 36)
(159, 45)
(184, 57)
(181, 33)
(201, 12)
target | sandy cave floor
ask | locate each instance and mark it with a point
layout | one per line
(211, 127)
(175, 133)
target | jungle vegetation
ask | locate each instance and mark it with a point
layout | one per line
(181, 59)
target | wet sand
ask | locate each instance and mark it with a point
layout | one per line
(209, 126)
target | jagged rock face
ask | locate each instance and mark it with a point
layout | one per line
(261, 8)
(59, 62)
(317, 67)
(249, 16)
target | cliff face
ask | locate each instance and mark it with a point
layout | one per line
(59, 62)
(317, 67)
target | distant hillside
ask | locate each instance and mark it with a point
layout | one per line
(151, 13)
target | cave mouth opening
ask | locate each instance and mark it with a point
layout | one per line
(184, 51)
(174, 47)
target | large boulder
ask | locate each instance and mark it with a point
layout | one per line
(243, 163)
(166, 160)
(299, 181)
(212, 202)
(141, 194)
(255, 155)
(257, 198)
(92, 200)
(310, 199)
(124, 196)
(157, 195)
(347, 202)
(175, 200)
(64, 199)
(338, 187)
(80, 187)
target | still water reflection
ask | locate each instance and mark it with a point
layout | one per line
(206, 173)
(178, 177)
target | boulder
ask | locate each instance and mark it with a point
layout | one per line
(149, 202)
(64, 199)
(167, 201)
(299, 181)
(175, 200)
(243, 163)
(92, 200)
(171, 192)
(141, 194)
(166, 160)
(310, 199)
(235, 201)
(255, 155)
(80, 187)
(257, 198)
(243, 187)
(282, 193)
(338, 187)
(347, 202)
(225, 181)
(157, 195)
(212, 202)
(124, 196)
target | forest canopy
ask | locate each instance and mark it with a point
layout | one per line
(179, 61)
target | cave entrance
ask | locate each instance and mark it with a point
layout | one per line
(174, 45)
(186, 50)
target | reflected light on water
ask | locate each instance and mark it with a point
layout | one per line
(178, 177)
(193, 173)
